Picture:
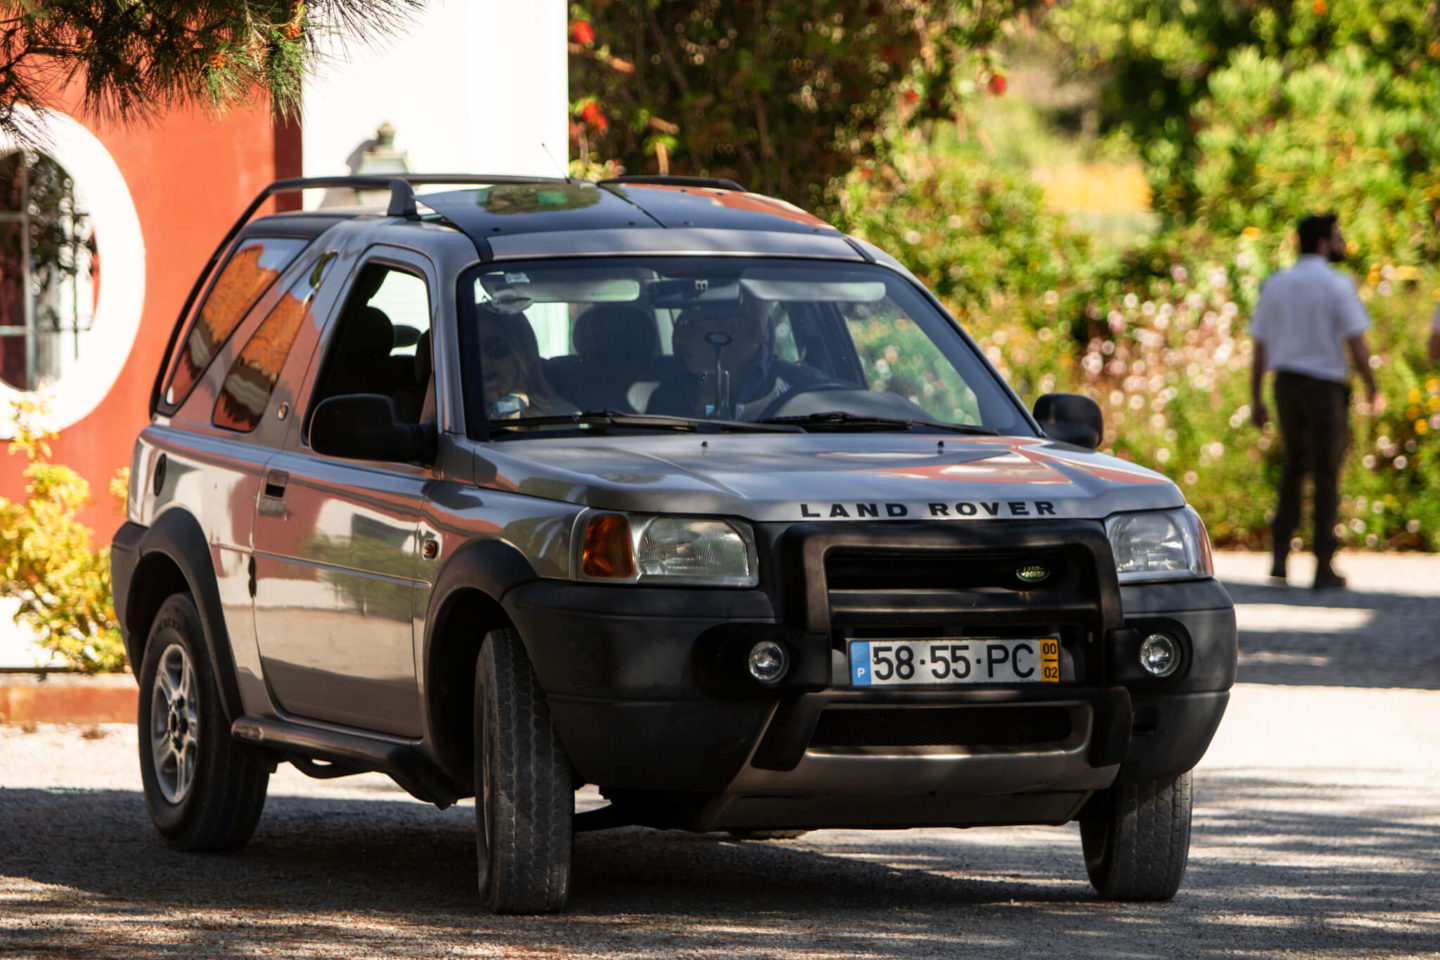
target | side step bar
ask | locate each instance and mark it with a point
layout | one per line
(350, 753)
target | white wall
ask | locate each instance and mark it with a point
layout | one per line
(471, 86)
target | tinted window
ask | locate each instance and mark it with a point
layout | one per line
(719, 338)
(248, 385)
(252, 268)
(382, 342)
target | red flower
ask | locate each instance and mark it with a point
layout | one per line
(911, 96)
(594, 116)
(582, 33)
(998, 84)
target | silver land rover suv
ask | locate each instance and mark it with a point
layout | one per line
(517, 485)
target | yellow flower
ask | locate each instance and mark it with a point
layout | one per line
(1320, 7)
(1421, 427)
(1414, 396)
(1250, 233)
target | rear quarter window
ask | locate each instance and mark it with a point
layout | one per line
(250, 271)
(251, 379)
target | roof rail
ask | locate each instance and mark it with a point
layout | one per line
(640, 180)
(402, 204)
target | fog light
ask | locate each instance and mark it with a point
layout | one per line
(1160, 654)
(768, 661)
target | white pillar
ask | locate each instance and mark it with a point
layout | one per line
(471, 86)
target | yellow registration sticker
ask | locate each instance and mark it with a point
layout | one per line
(1049, 661)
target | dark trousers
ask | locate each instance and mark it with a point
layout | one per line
(1315, 430)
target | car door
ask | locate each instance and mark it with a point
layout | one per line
(336, 540)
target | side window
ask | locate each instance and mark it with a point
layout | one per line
(251, 269)
(247, 388)
(382, 343)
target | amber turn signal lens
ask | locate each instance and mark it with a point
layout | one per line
(607, 548)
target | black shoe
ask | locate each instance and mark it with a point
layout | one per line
(1277, 573)
(1328, 580)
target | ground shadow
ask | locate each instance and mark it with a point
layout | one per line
(396, 878)
(1340, 638)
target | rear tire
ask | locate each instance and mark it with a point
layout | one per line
(1137, 843)
(524, 797)
(204, 789)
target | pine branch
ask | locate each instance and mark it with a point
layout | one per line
(136, 58)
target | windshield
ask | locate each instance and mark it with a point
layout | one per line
(733, 341)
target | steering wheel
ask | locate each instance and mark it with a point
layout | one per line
(832, 395)
(777, 407)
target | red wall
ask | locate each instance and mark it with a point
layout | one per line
(190, 176)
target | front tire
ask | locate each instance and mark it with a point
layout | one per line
(524, 796)
(204, 789)
(1137, 843)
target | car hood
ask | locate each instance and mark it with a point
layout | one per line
(825, 476)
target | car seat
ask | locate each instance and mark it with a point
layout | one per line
(616, 346)
(362, 356)
(418, 392)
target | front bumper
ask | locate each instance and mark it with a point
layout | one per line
(648, 692)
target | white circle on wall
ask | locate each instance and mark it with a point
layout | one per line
(101, 190)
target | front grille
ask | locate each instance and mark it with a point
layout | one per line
(849, 569)
(990, 726)
(941, 594)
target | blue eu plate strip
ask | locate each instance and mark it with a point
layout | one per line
(860, 663)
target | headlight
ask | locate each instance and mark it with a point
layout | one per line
(1160, 545)
(678, 550)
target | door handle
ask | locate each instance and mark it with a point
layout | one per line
(275, 481)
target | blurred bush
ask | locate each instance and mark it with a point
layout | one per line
(1253, 114)
(47, 561)
(783, 96)
(1157, 336)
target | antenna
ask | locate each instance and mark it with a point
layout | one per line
(558, 165)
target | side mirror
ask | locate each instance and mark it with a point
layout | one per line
(363, 426)
(1071, 418)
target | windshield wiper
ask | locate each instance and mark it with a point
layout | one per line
(599, 421)
(840, 420)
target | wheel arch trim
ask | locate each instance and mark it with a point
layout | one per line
(176, 536)
(480, 573)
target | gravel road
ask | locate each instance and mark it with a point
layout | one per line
(1317, 834)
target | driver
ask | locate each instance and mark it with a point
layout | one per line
(511, 371)
(733, 338)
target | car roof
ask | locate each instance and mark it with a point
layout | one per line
(518, 217)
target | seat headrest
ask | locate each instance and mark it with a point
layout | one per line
(369, 336)
(616, 333)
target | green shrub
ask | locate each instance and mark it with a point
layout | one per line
(47, 562)
(1158, 337)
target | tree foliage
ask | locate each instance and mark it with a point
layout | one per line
(782, 95)
(1251, 112)
(134, 57)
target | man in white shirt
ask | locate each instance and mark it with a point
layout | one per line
(1307, 318)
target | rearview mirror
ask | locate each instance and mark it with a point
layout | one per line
(363, 426)
(1071, 418)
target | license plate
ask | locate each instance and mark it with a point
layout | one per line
(951, 661)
